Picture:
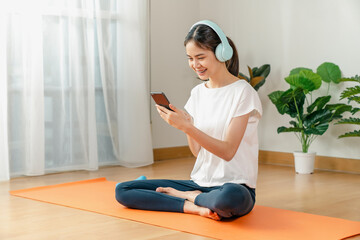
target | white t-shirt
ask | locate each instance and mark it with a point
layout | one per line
(212, 110)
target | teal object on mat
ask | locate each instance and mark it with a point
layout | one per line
(139, 178)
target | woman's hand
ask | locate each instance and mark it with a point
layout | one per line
(176, 118)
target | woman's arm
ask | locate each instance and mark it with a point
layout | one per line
(193, 145)
(224, 149)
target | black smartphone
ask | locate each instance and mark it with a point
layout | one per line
(161, 99)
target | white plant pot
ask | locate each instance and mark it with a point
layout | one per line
(304, 162)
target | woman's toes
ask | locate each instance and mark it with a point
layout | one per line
(215, 216)
(167, 190)
(160, 189)
(205, 212)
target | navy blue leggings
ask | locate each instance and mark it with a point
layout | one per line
(228, 200)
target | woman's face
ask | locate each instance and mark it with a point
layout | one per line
(202, 61)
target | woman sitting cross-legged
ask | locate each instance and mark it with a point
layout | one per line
(220, 122)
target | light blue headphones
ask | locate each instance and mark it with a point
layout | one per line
(223, 51)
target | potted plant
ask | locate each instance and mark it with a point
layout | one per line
(310, 118)
(352, 94)
(257, 76)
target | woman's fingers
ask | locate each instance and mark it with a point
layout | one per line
(173, 107)
(176, 118)
(163, 112)
(162, 109)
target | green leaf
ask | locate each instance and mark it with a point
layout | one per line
(319, 129)
(350, 120)
(355, 99)
(306, 80)
(295, 124)
(254, 70)
(299, 81)
(275, 96)
(319, 103)
(294, 100)
(290, 129)
(355, 110)
(355, 133)
(275, 99)
(319, 116)
(284, 101)
(298, 70)
(263, 71)
(339, 108)
(329, 72)
(350, 92)
(314, 77)
(356, 78)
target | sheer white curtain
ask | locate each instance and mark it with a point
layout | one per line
(130, 134)
(75, 99)
(4, 147)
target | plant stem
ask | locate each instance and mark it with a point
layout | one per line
(328, 90)
(297, 136)
(312, 139)
(303, 136)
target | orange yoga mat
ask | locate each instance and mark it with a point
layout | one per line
(97, 195)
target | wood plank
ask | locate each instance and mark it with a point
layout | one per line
(321, 162)
(172, 153)
(272, 157)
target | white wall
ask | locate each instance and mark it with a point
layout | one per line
(170, 73)
(283, 33)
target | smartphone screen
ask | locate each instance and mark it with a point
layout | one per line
(161, 99)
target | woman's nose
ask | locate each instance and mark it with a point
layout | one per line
(196, 63)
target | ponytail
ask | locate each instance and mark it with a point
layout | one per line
(232, 64)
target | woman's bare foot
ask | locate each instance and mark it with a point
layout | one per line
(188, 195)
(190, 207)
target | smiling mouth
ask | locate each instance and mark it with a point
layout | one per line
(201, 72)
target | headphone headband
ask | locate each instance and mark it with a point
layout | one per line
(223, 51)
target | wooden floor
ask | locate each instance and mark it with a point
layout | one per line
(323, 193)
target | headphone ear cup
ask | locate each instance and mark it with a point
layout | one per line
(219, 52)
(227, 53)
(223, 53)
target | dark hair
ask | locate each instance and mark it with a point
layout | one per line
(205, 37)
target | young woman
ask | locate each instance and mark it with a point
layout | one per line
(221, 127)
